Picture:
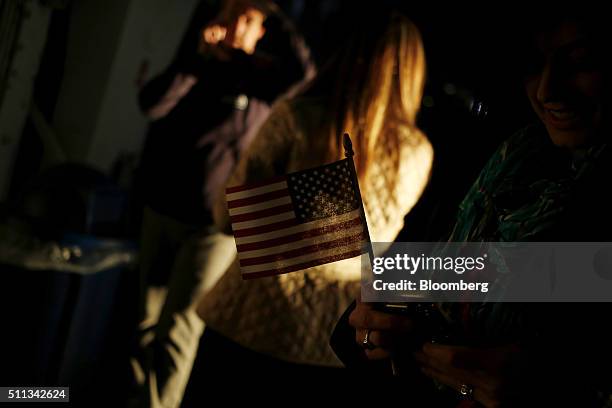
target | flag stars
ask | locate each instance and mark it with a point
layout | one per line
(322, 192)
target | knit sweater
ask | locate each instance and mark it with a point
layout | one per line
(291, 316)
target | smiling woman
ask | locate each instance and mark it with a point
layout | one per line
(548, 182)
(566, 85)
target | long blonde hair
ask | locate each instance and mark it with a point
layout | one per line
(378, 87)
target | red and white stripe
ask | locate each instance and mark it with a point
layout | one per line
(271, 241)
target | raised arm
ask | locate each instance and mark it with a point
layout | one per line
(163, 93)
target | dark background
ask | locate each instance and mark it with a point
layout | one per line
(473, 101)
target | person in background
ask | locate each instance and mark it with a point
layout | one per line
(204, 111)
(371, 89)
(546, 183)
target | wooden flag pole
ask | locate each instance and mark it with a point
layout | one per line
(348, 153)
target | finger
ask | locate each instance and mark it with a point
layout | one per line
(456, 384)
(377, 338)
(477, 378)
(365, 318)
(361, 303)
(442, 377)
(360, 336)
(360, 308)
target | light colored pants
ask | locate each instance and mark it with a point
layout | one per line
(170, 329)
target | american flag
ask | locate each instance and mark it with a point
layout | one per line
(298, 220)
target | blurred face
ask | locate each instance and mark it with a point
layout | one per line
(245, 28)
(565, 86)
